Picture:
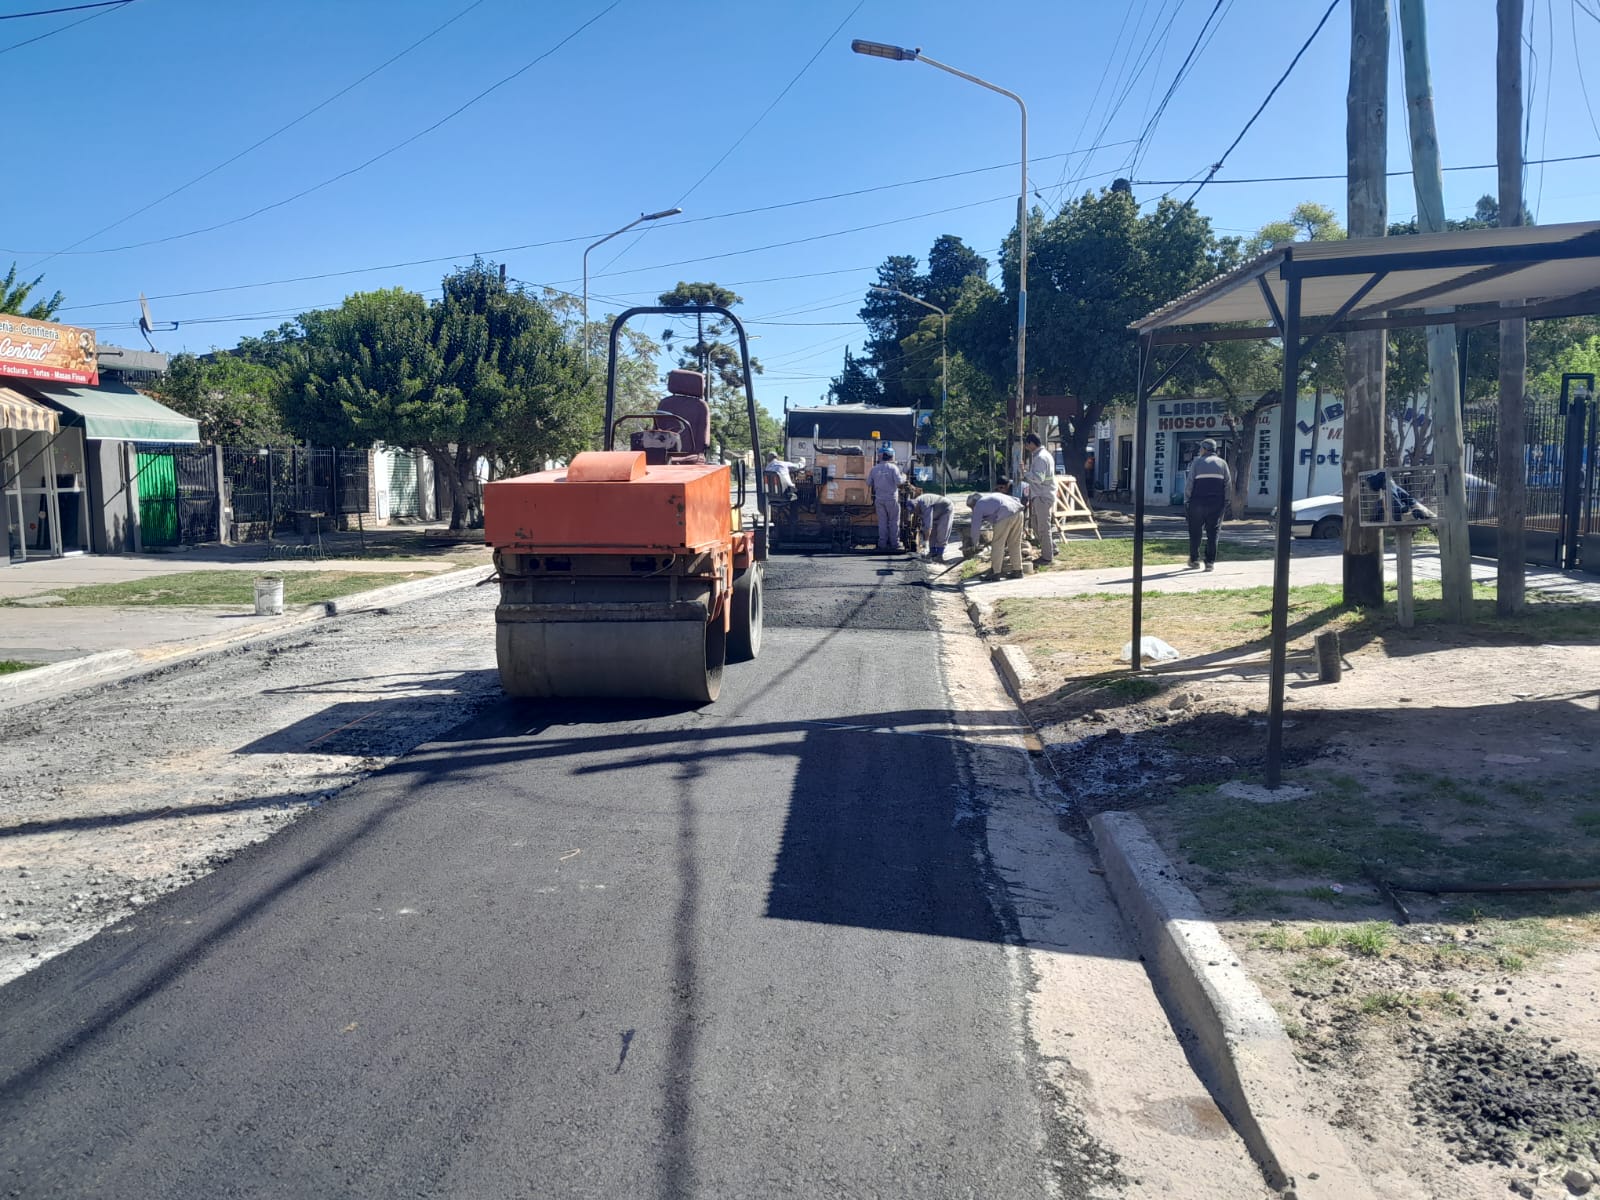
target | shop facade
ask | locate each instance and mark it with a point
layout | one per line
(1177, 427)
(69, 460)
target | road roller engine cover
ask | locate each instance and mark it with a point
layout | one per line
(630, 573)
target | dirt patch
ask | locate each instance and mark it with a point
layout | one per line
(1454, 1036)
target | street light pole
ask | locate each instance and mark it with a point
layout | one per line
(944, 359)
(642, 217)
(902, 54)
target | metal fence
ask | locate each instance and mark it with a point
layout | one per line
(275, 489)
(1563, 502)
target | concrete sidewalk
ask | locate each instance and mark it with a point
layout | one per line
(49, 634)
(1312, 562)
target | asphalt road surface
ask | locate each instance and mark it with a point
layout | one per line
(568, 950)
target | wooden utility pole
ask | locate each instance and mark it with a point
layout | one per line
(1455, 556)
(1366, 137)
(1511, 483)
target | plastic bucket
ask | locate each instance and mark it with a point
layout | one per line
(269, 597)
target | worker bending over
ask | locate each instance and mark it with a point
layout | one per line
(1003, 515)
(1205, 495)
(933, 516)
(1039, 473)
(884, 481)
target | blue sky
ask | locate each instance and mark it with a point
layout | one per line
(630, 115)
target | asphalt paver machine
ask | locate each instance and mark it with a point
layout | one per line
(632, 573)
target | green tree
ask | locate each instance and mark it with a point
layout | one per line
(1307, 222)
(951, 262)
(483, 372)
(14, 295)
(855, 384)
(234, 400)
(1094, 268)
(889, 320)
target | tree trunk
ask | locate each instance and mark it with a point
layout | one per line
(1511, 482)
(1366, 354)
(444, 466)
(1455, 558)
(461, 494)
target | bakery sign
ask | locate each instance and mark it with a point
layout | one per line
(46, 351)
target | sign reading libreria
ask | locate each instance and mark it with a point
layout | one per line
(43, 350)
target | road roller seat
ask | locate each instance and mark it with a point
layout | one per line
(685, 398)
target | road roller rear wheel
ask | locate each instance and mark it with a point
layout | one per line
(744, 639)
(647, 660)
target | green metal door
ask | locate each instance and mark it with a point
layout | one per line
(158, 498)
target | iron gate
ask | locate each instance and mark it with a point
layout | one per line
(1563, 520)
(273, 490)
(178, 495)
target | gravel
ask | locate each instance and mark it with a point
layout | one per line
(1507, 1098)
(111, 796)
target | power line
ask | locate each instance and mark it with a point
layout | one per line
(345, 174)
(818, 237)
(1172, 88)
(50, 12)
(1217, 166)
(94, 16)
(256, 145)
(741, 212)
(1575, 6)
(740, 139)
(1565, 158)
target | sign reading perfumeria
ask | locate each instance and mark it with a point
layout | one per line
(46, 351)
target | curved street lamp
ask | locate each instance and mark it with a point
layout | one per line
(902, 54)
(642, 217)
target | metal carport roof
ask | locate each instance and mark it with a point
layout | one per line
(1462, 277)
(1545, 270)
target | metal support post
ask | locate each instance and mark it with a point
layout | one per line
(1280, 562)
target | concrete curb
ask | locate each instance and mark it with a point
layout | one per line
(1014, 668)
(405, 593)
(75, 673)
(67, 670)
(1240, 1038)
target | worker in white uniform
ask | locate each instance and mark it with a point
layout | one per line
(1039, 473)
(933, 515)
(1003, 514)
(1205, 496)
(884, 481)
(779, 481)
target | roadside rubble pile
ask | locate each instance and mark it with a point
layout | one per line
(1508, 1098)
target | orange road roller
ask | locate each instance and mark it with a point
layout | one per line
(632, 573)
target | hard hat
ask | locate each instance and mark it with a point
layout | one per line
(973, 499)
(771, 454)
(1210, 445)
(888, 452)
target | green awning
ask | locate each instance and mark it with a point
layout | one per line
(119, 413)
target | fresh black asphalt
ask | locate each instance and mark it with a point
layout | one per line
(576, 950)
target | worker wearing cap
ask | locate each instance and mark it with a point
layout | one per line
(1039, 473)
(779, 481)
(934, 514)
(1003, 515)
(884, 481)
(1205, 496)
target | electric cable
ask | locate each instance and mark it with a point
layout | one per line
(1217, 166)
(256, 145)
